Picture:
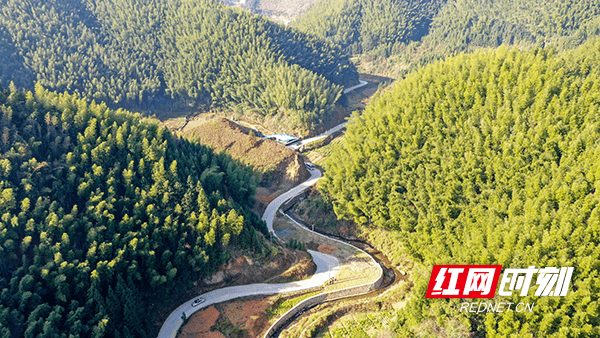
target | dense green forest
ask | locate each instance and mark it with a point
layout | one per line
(99, 209)
(485, 158)
(150, 55)
(468, 24)
(360, 26)
(420, 31)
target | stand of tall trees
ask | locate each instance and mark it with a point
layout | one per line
(485, 158)
(360, 26)
(99, 209)
(149, 55)
(421, 31)
(466, 25)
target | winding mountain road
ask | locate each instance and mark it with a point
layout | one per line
(272, 208)
(327, 265)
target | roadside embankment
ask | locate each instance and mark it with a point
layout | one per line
(308, 303)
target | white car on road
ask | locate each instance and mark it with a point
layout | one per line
(198, 301)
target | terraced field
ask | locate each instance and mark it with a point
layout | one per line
(326, 150)
(360, 325)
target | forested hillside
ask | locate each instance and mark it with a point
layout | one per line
(360, 26)
(464, 25)
(100, 209)
(486, 158)
(153, 55)
(418, 32)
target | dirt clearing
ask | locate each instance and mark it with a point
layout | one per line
(242, 318)
(304, 269)
(327, 249)
(199, 325)
(248, 314)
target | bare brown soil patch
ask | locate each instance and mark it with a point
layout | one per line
(212, 334)
(281, 167)
(304, 269)
(222, 134)
(327, 249)
(199, 323)
(248, 314)
(265, 199)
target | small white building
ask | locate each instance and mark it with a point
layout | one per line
(284, 139)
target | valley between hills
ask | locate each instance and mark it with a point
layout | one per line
(140, 176)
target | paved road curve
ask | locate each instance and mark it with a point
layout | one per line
(300, 143)
(361, 84)
(272, 208)
(327, 267)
